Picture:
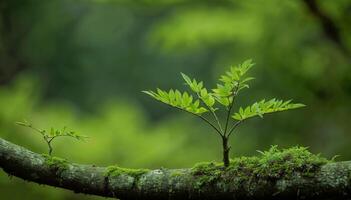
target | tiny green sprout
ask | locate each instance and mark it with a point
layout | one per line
(205, 102)
(49, 136)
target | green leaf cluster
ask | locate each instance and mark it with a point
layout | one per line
(53, 133)
(175, 98)
(230, 84)
(206, 102)
(201, 92)
(63, 132)
(49, 136)
(265, 107)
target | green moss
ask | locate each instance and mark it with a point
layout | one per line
(56, 163)
(116, 171)
(176, 173)
(206, 173)
(268, 166)
(276, 163)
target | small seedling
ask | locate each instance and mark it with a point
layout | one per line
(205, 102)
(49, 136)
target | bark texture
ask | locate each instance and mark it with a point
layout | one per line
(332, 181)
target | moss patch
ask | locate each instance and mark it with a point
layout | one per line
(176, 173)
(56, 163)
(270, 165)
(116, 171)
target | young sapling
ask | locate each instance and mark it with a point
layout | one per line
(49, 136)
(205, 102)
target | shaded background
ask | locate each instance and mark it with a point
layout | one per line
(82, 64)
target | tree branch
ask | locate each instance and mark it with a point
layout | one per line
(328, 25)
(332, 181)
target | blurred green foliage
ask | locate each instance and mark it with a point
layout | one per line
(83, 63)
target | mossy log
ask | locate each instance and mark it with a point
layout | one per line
(330, 181)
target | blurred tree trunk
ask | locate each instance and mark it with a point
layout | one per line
(12, 37)
(333, 181)
(329, 26)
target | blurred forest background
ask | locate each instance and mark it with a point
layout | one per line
(84, 63)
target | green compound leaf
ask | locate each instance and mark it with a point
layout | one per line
(49, 136)
(59, 133)
(233, 81)
(207, 98)
(198, 87)
(265, 107)
(194, 85)
(175, 98)
(236, 73)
